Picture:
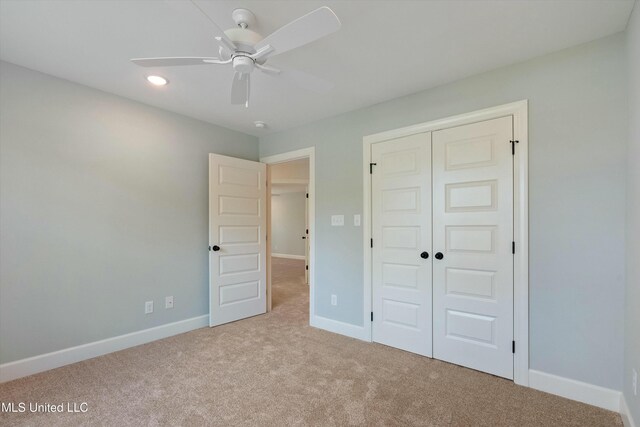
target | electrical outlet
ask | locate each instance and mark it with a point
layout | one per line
(148, 307)
(634, 381)
(337, 220)
(356, 220)
(168, 302)
(334, 299)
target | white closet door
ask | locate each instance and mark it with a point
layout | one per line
(237, 229)
(401, 208)
(473, 230)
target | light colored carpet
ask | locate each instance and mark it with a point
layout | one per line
(276, 370)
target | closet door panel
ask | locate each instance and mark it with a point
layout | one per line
(401, 230)
(473, 230)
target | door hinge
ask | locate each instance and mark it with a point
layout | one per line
(371, 242)
(372, 316)
(306, 267)
(513, 247)
(513, 146)
(209, 248)
(307, 195)
(371, 165)
(306, 231)
(513, 347)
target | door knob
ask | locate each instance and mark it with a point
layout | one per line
(215, 248)
(439, 255)
(424, 255)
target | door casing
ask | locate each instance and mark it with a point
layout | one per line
(519, 111)
(307, 250)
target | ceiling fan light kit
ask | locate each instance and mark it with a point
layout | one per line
(247, 50)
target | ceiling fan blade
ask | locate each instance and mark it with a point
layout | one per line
(300, 78)
(308, 28)
(267, 69)
(223, 41)
(263, 52)
(240, 89)
(174, 61)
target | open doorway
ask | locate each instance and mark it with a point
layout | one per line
(290, 202)
(289, 232)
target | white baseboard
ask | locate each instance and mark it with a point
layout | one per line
(44, 362)
(338, 327)
(289, 256)
(627, 418)
(576, 390)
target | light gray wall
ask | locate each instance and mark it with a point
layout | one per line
(632, 320)
(103, 206)
(578, 134)
(288, 223)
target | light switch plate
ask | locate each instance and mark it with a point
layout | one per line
(356, 220)
(337, 220)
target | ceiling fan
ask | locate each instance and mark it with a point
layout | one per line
(247, 50)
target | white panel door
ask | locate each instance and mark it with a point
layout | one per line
(401, 230)
(472, 238)
(237, 229)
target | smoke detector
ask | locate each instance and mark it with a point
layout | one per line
(260, 125)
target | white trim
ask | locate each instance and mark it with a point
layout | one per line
(601, 397)
(44, 362)
(625, 413)
(447, 122)
(338, 327)
(288, 256)
(366, 237)
(289, 156)
(519, 111)
(521, 237)
(309, 153)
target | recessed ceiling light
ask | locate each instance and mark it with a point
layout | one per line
(260, 124)
(157, 80)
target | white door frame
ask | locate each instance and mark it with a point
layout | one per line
(309, 153)
(307, 247)
(519, 111)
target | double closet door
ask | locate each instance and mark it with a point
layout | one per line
(442, 228)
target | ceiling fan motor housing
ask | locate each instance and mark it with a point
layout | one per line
(243, 64)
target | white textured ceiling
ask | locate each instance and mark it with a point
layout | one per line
(385, 49)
